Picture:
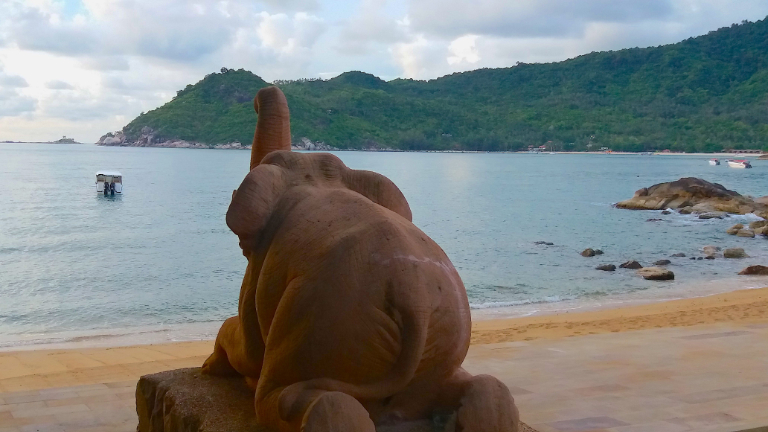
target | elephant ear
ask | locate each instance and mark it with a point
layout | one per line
(255, 200)
(378, 189)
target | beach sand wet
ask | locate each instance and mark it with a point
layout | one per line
(677, 365)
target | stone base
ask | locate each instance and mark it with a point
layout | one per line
(184, 400)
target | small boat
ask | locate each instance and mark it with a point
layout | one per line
(714, 162)
(739, 163)
(109, 182)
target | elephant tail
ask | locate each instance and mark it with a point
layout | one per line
(413, 331)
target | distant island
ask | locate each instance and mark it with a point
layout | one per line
(62, 140)
(704, 94)
(65, 140)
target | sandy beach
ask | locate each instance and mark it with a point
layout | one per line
(40, 369)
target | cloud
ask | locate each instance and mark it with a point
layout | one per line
(527, 18)
(12, 102)
(286, 35)
(59, 85)
(371, 25)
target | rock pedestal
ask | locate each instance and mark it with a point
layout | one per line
(184, 400)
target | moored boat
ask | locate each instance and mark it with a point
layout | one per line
(739, 163)
(714, 162)
(109, 182)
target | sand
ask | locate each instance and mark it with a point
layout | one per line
(32, 370)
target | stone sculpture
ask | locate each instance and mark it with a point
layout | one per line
(349, 316)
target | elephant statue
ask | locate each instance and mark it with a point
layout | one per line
(349, 317)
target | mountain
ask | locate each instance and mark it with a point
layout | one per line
(703, 94)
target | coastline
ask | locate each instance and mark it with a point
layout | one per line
(44, 367)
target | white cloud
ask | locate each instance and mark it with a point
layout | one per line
(59, 85)
(463, 50)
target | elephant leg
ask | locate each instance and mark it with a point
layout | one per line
(231, 355)
(486, 406)
(311, 411)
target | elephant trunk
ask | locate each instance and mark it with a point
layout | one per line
(273, 127)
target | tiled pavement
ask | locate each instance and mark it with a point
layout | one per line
(703, 379)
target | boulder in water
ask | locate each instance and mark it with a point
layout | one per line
(755, 270)
(678, 255)
(606, 267)
(632, 265)
(757, 224)
(588, 252)
(745, 233)
(735, 253)
(662, 262)
(656, 273)
(544, 243)
(666, 212)
(713, 215)
(710, 250)
(699, 194)
(735, 229)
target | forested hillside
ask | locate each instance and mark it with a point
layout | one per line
(703, 94)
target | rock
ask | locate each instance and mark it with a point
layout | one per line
(745, 233)
(589, 252)
(632, 265)
(686, 210)
(713, 215)
(598, 252)
(755, 270)
(543, 243)
(654, 220)
(699, 194)
(735, 253)
(757, 224)
(666, 212)
(606, 267)
(693, 258)
(710, 250)
(662, 262)
(701, 258)
(734, 229)
(709, 257)
(184, 400)
(761, 230)
(656, 273)
(678, 255)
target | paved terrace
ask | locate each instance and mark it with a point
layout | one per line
(703, 378)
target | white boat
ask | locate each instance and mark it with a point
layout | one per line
(714, 162)
(109, 182)
(739, 163)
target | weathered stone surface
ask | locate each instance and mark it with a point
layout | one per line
(606, 267)
(662, 262)
(184, 400)
(713, 215)
(761, 230)
(745, 233)
(757, 224)
(755, 270)
(656, 273)
(700, 195)
(735, 229)
(710, 250)
(735, 253)
(632, 265)
(589, 252)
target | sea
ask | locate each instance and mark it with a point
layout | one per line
(159, 264)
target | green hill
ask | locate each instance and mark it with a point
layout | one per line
(702, 94)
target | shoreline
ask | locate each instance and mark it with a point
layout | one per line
(46, 368)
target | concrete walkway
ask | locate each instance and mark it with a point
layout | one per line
(703, 378)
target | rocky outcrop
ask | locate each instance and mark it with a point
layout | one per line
(700, 195)
(149, 138)
(632, 265)
(755, 270)
(606, 267)
(757, 224)
(656, 274)
(745, 233)
(735, 253)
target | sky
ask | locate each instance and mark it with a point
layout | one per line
(83, 68)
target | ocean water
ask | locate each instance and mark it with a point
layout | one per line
(159, 263)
